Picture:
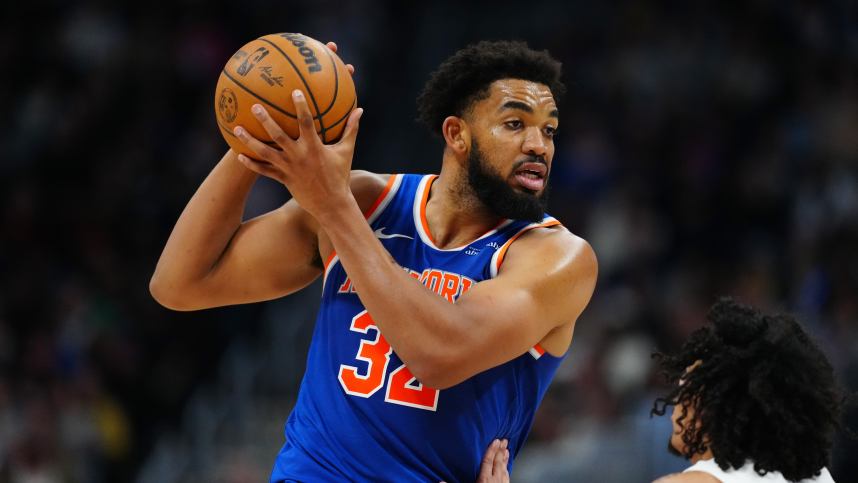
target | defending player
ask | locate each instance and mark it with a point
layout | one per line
(755, 400)
(449, 301)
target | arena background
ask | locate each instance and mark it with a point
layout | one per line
(705, 148)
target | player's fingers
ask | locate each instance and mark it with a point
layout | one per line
(261, 167)
(262, 150)
(271, 127)
(488, 460)
(307, 129)
(352, 124)
(333, 47)
(499, 468)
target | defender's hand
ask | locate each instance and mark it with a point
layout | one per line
(493, 469)
(316, 174)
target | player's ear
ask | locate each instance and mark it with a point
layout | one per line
(456, 134)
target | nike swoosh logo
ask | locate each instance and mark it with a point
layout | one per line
(379, 233)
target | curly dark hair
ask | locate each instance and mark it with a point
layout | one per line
(763, 391)
(465, 78)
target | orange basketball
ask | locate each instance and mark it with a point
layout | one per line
(266, 71)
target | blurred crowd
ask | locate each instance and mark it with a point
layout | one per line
(705, 148)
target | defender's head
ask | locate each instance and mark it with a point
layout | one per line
(752, 386)
(495, 105)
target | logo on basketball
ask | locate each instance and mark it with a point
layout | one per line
(252, 60)
(266, 73)
(227, 105)
(300, 42)
(239, 55)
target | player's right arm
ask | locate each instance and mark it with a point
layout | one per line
(213, 259)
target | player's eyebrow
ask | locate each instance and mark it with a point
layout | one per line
(516, 105)
(524, 107)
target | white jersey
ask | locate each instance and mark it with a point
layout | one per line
(746, 474)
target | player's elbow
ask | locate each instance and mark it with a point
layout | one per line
(441, 382)
(435, 371)
(168, 295)
(432, 378)
(161, 292)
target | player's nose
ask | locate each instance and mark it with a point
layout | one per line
(534, 143)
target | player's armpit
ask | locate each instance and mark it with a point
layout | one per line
(544, 283)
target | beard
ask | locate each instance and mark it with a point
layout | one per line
(493, 191)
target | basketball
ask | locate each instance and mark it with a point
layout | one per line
(266, 70)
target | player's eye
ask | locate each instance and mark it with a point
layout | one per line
(551, 132)
(514, 124)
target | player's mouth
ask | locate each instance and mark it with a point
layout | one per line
(531, 176)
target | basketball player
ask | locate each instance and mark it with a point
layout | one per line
(448, 300)
(755, 401)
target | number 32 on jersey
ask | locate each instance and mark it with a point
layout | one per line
(402, 387)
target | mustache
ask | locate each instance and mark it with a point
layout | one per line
(529, 159)
(532, 159)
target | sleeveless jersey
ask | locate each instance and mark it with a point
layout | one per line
(746, 474)
(360, 414)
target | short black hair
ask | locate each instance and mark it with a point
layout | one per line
(763, 391)
(465, 77)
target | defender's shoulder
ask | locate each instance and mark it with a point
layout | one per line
(688, 477)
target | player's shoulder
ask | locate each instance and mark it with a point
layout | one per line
(688, 477)
(367, 186)
(367, 183)
(558, 246)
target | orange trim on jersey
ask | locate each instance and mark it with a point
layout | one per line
(506, 245)
(381, 197)
(538, 348)
(390, 182)
(423, 202)
(330, 259)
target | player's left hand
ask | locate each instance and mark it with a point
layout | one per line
(334, 48)
(493, 469)
(316, 174)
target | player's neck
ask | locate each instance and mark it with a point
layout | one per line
(706, 455)
(454, 215)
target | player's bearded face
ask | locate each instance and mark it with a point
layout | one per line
(493, 188)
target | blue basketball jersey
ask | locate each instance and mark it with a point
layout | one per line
(360, 414)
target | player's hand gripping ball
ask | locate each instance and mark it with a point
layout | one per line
(266, 71)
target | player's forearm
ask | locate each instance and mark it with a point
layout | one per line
(204, 228)
(423, 329)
